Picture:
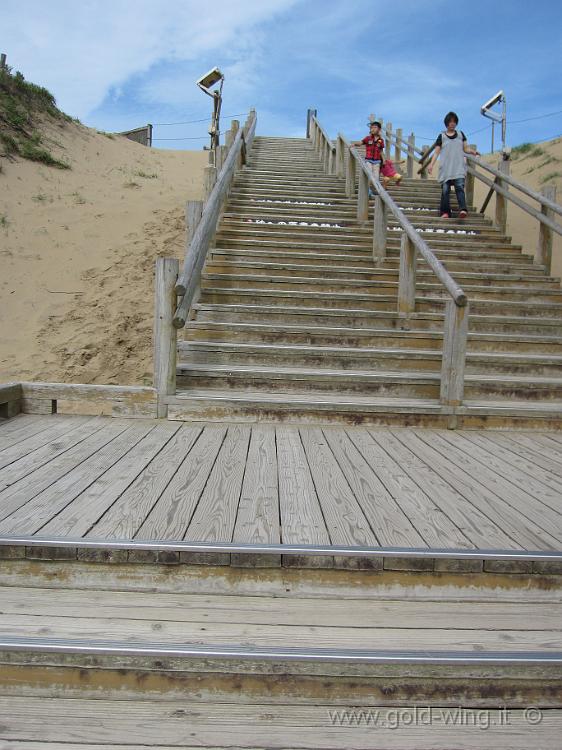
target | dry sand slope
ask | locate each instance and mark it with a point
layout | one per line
(77, 250)
(539, 166)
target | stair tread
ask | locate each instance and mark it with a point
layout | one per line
(394, 375)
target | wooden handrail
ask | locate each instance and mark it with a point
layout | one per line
(456, 309)
(496, 187)
(556, 207)
(321, 129)
(454, 290)
(189, 278)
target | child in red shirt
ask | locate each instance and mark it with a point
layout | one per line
(374, 155)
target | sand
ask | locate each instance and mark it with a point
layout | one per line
(532, 170)
(77, 252)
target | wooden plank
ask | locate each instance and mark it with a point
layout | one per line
(279, 636)
(30, 485)
(518, 455)
(433, 525)
(215, 514)
(524, 532)
(480, 464)
(19, 428)
(251, 726)
(258, 520)
(25, 465)
(127, 514)
(540, 445)
(302, 521)
(59, 427)
(84, 512)
(29, 517)
(81, 392)
(322, 612)
(344, 518)
(387, 519)
(474, 524)
(170, 516)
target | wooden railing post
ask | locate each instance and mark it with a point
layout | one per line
(319, 142)
(209, 179)
(543, 255)
(165, 333)
(388, 140)
(340, 154)
(310, 113)
(410, 158)
(363, 197)
(350, 175)
(501, 200)
(407, 279)
(193, 211)
(380, 226)
(469, 183)
(398, 145)
(423, 171)
(454, 354)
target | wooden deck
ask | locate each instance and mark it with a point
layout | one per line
(103, 478)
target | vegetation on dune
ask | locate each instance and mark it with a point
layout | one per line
(22, 107)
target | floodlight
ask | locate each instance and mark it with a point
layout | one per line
(486, 111)
(490, 103)
(205, 83)
(209, 79)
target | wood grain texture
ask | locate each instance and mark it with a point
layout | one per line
(302, 521)
(387, 519)
(171, 723)
(174, 509)
(31, 515)
(215, 514)
(258, 520)
(126, 515)
(434, 526)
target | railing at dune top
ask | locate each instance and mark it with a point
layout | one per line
(344, 161)
(545, 214)
(202, 218)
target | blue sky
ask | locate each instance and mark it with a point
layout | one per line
(117, 64)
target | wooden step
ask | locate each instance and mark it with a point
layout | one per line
(302, 268)
(363, 358)
(286, 333)
(364, 260)
(411, 384)
(365, 318)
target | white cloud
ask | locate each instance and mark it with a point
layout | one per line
(81, 50)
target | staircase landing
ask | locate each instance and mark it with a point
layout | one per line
(406, 489)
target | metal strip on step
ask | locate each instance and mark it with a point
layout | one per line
(350, 656)
(313, 550)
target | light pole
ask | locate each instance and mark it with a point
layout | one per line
(205, 83)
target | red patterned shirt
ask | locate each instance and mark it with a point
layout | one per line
(374, 147)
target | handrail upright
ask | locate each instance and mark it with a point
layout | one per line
(457, 308)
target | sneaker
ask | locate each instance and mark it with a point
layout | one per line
(444, 216)
(463, 214)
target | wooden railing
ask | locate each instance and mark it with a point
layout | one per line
(548, 208)
(202, 218)
(348, 163)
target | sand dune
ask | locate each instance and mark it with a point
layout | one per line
(77, 251)
(541, 165)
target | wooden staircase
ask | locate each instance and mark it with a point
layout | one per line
(295, 321)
